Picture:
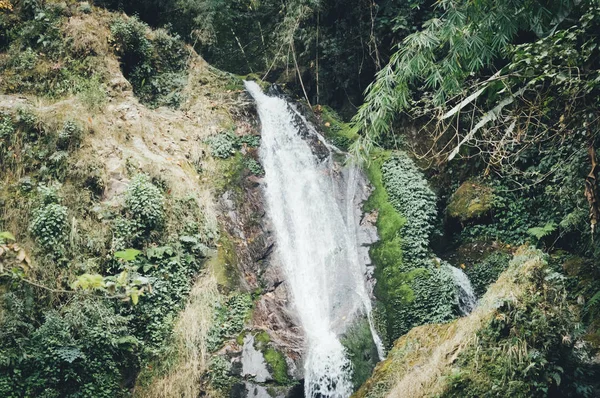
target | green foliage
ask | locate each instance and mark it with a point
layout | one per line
(154, 64)
(529, 348)
(541, 232)
(49, 227)
(230, 317)
(80, 350)
(254, 167)
(485, 272)
(467, 38)
(144, 202)
(277, 365)
(411, 287)
(219, 373)
(411, 196)
(222, 145)
(6, 236)
(362, 351)
(70, 135)
(38, 58)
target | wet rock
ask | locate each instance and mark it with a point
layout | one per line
(253, 361)
(471, 201)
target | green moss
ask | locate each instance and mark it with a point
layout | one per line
(362, 351)
(337, 131)
(262, 338)
(470, 201)
(231, 172)
(277, 364)
(411, 289)
(224, 263)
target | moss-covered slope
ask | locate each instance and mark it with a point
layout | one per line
(522, 340)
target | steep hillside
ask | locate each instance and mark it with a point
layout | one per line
(523, 339)
(124, 157)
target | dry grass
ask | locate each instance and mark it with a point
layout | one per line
(88, 35)
(191, 331)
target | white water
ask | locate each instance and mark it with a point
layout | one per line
(466, 296)
(316, 243)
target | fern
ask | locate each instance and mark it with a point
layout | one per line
(593, 305)
(541, 232)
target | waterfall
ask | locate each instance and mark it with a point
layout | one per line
(316, 241)
(466, 296)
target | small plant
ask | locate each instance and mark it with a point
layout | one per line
(70, 135)
(145, 202)
(251, 140)
(219, 373)
(540, 233)
(222, 145)
(49, 227)
(85, 7)
(7, 127)
(254, 167)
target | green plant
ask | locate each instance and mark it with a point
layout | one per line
(219, 373)
(230, 317)
(254, 167)
(154, 64)
(70, 135)
(80, 350)
(49, 227)
(277, 364)
(484, 273)
(222, 145)
(541, 232)
(144, 202)
(413, 289)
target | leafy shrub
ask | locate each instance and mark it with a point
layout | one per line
(49, 227)
(85, 7)
(486, 272)
(144, 202)
(254, 167)
(412, 288)
(222, 145)
(70, 135)
(230, 317)
(411, 196)
(81, 350)
(251, 140)
(219, 373)
(155, 66)
(531, 346)
(133, 46)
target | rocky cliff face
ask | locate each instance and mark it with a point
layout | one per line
(246, 222)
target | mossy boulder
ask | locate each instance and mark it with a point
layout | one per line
(470, 202)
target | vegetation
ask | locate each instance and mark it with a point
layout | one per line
(477, 124)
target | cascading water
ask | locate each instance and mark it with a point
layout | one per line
(466, 296)
(316, 243)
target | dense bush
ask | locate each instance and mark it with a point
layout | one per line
(412, 288)
(80, 350)
(222, 145)
(531, 347)
(70, 135)
(38, 58)
(144, 202)
(229, 319)
(411, 196)
(49, 227)
(484, 273)
(155, 64)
